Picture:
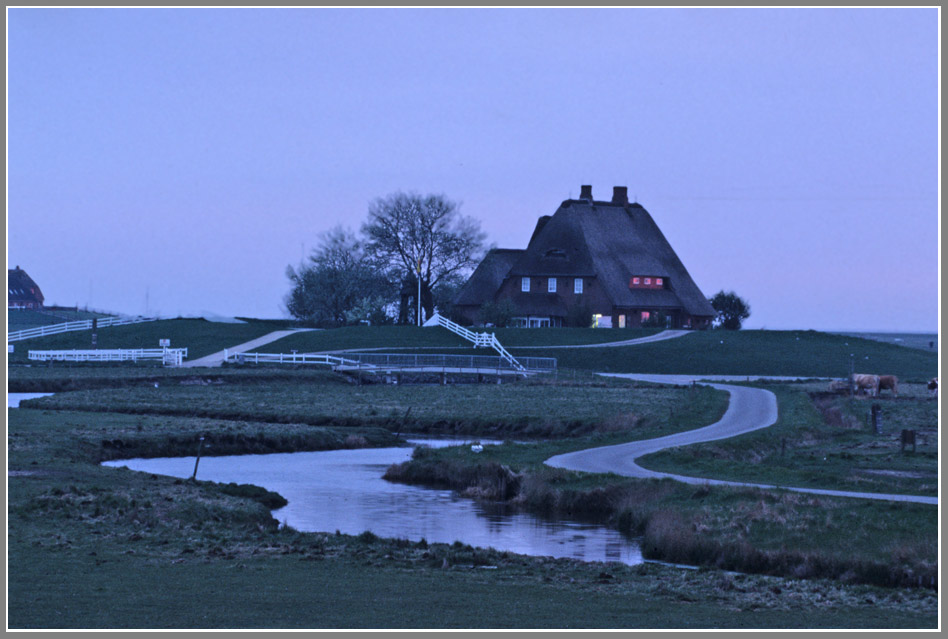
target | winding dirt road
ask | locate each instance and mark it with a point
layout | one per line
(749, 409)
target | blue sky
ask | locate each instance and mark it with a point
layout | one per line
(183, 158)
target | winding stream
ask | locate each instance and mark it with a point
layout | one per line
(343, 490)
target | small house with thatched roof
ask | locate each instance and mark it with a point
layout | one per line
(22, 291)
(599, 262)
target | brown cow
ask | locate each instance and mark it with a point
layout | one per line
(869, 383)
(889, 382)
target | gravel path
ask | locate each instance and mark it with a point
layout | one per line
(749, 409)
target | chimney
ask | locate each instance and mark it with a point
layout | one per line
(586, 192)
(620, 195)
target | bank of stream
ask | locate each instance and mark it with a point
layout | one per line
(343, 490)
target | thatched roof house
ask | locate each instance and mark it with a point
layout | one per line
(607, 259)
(22, 291)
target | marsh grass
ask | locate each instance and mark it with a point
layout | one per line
(157, 552)
(533, 410)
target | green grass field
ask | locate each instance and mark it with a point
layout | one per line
(205, 558)
(97, 547)
(397, 337)
(797, 353)
(524, 409)
(824, 444)
(199, 336)
(922, 341)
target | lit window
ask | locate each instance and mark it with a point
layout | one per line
(525, 284)
(635, 281)
(578, 285)
(622, 321)
(551, 285)
(648, 281)
(658, 281)
(645, 315)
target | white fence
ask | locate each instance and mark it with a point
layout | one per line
(487, 340)
(168, 356)
(287, 358)
(392, 362)
(81, 325)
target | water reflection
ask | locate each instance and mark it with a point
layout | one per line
(343, 490)
(14, 399)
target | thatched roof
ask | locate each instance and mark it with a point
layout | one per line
(611, 241)
(487, 277)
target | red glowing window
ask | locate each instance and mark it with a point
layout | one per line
(648, 281)
(658, 281)
(635, 281)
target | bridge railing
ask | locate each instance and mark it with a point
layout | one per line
(488, 340)
(168, 356)
(80, 325)
(286, 358)
(486, 362)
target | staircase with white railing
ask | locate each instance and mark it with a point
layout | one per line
(480, 340)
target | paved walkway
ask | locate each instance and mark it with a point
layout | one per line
(216, 359)
(669, 334)
(658, 337)
(749, 409)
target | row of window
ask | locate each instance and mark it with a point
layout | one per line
(20, 291)
(647, 281)
(551, 285)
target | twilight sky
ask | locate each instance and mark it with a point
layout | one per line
(182, 158)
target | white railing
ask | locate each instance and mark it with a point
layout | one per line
(168, 356)
(484, 340)
(81, 325)
(287, 358)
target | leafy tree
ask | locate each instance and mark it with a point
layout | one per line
(498, 313)
(731, 309)
(338, 277)
(409, 233)
(579, 315)
(656, 319)
(369, 309)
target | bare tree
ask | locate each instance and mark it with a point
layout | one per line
(425, 235)
(338, 278)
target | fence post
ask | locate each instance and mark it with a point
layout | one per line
(877, 419)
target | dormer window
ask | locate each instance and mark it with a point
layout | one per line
(635, 281)
(525, 284)
(648, 281)
(658, 281)
(555, 252)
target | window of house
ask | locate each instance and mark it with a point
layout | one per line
(525, 284)
(658, 281)
(635, 281)
(622, 321)
(645, 315)
(578, 285)
(551, 285)
(648, 281)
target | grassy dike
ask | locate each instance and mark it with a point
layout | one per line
(97, 547)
